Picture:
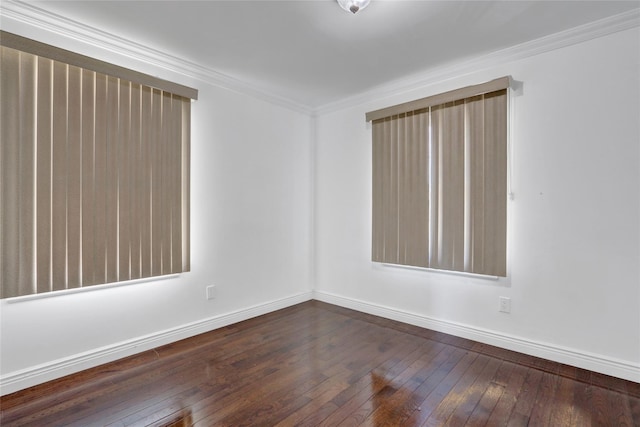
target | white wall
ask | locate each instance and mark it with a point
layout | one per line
(250, 236)
(574, 226)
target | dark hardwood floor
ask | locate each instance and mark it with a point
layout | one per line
(316, 364)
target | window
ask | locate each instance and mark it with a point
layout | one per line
(440, 181)
(94, 171)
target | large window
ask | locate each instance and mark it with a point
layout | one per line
(440, 181)
(94, 171)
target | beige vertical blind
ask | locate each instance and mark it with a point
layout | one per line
(95, 177)
(440, 181)
(400, 171)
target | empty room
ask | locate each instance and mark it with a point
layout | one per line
(319, 212)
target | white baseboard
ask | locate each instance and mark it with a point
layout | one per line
(18, 380)
(593, 362)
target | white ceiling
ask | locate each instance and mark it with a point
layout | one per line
(313, 53)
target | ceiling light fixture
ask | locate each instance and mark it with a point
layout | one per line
(353, 6)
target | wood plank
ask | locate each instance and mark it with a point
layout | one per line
(402, 403)
(454, 399)
(219, 361)
(245, 375)
(562, 409)
(581, 415)
(491, 396)
(412, 406)
(619, 413)
(545, 400)
(319, 405)
(314, 364)
(435, 397)
(526, 399)
(507, 401)
(399, 387)
(634, 405)
(145, 379)
(362, 388)
(474, 394)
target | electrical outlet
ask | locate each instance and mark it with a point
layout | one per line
(505, 305)
(211, 292)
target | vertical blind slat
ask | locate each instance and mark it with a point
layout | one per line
(376, 204)
(419, 205)
(124, 211)
(388, 217)
(186, 186)
(455, 192)
(175, 141)
(156, 179)
(391, 237)
(386, 190)
(435, 226)
(74, 178)
(426, 157)
(496, 180)
(59, 173)
(100, 181)
(475, 123)
(27, 187)
(43, 175)
(88, 178)
(111, 183)
(165, 176)
(407, 223)
(135, 179)
(146, 180)
(402, 179)
(9, 156)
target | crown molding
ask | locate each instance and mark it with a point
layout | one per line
(39, 18)
(42, 19)
(573, 36)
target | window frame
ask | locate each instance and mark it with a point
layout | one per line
(401, 235)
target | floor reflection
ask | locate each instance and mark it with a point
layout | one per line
(182, 419)
(382, 389)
